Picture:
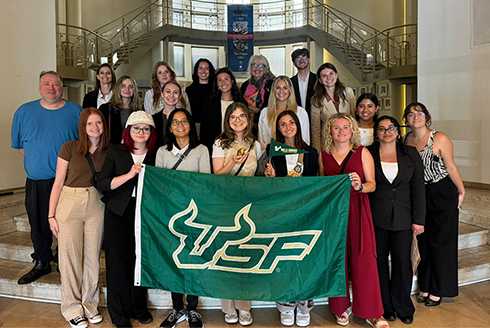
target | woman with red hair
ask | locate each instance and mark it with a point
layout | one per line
(117, 180)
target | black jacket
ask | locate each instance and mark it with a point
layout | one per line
(309, 92)
(395, 206)
(90, 99)
(118, 162)
(310, 163)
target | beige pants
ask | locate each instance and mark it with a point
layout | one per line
(230, 306)
(80, 216)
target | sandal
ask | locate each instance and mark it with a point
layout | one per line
(379, 323)
(343, 319)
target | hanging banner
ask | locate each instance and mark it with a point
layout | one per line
(240, 37)
(242, 238)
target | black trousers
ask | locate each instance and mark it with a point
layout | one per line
(37, 206)
(124, 300)
(178, 301)
(395, 290)
(438, 246)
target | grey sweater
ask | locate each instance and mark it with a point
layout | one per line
(196, 161)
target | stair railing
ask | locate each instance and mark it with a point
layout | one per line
(79, 47)
(395, 46)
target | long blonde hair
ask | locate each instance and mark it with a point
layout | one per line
(272, 106)
(116, 99)
(355, 139)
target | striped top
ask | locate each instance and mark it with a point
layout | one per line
(434, 168)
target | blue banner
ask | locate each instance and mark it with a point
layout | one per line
(240, 37)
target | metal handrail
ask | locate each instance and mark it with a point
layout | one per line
(84, 29)
(389, 29)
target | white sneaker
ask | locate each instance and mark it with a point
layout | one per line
(231, 317)
(97, 318)
(302, 319)
(245, 318)
(79, 322)
(287, 318)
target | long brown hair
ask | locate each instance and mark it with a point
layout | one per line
(298, 138)
(155, 84)
(97, 81)
(116, 99)
(227, 137)
(83, 142)
(320, 91)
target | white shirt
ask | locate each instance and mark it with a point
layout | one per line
(291, 161)
(390, 170)
(148, 103)
(101, 100)
(224, 106)
(265, 131)
(366, 136)
(303, 88)
(137, 159)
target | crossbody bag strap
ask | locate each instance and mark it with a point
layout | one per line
(182, 157)
(346, 161)
(90, 163)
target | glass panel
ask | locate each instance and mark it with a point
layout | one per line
(277, 59)
(210, 54)
(179, 60)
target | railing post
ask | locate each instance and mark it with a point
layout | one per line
(350, 34)
(362, 58)
(375, 53)
(148, 26)
(388, 49)
(327, 21)
(97, 57)
(306, 4)
(84, 52)
(345, 44)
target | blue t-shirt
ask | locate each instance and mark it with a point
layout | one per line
(41, 132)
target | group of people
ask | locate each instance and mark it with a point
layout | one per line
(82, 167)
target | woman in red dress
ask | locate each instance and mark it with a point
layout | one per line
(342, 153)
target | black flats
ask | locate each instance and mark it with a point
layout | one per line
(422, 299)
(431, 302)
(406, 320)
(390, 316)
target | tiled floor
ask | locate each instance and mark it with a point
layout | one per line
(470, 309)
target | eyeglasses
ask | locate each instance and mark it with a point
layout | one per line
(237, 118)
(390, 130)
(258, 65)
(183, 122)
(298, 59)
(412, 115)
(137, 130)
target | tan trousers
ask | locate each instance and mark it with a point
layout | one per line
(80, 216)
(230, 306)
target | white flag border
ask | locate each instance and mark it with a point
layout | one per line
(137, 226)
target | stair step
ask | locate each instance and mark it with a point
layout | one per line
(471, 236)
(474, 264)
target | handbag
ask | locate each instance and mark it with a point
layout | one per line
(95, 174)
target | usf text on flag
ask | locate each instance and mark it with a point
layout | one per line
(280, 149)
(245, 238)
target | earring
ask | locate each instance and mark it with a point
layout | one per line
(398, 137)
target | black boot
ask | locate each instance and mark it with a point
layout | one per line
(40, 269)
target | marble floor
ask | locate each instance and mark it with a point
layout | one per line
(470, 309)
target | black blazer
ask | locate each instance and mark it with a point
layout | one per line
(118, 162)
(309, 92)
(310, 163)
(395, 206)
(90, 99)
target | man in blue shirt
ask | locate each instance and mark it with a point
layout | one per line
(39, 129)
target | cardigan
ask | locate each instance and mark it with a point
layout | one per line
(320, 115)
(196, 161)
(396, 206)
(118, 162)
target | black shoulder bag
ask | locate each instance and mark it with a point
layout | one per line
(342, 169)
(182, 157)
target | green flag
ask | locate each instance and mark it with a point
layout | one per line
(280, 149)
(245, 238)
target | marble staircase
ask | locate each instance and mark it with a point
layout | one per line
(15, 249)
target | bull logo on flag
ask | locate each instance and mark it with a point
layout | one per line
(220, 243)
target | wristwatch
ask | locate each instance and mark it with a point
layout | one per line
(361, 188)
